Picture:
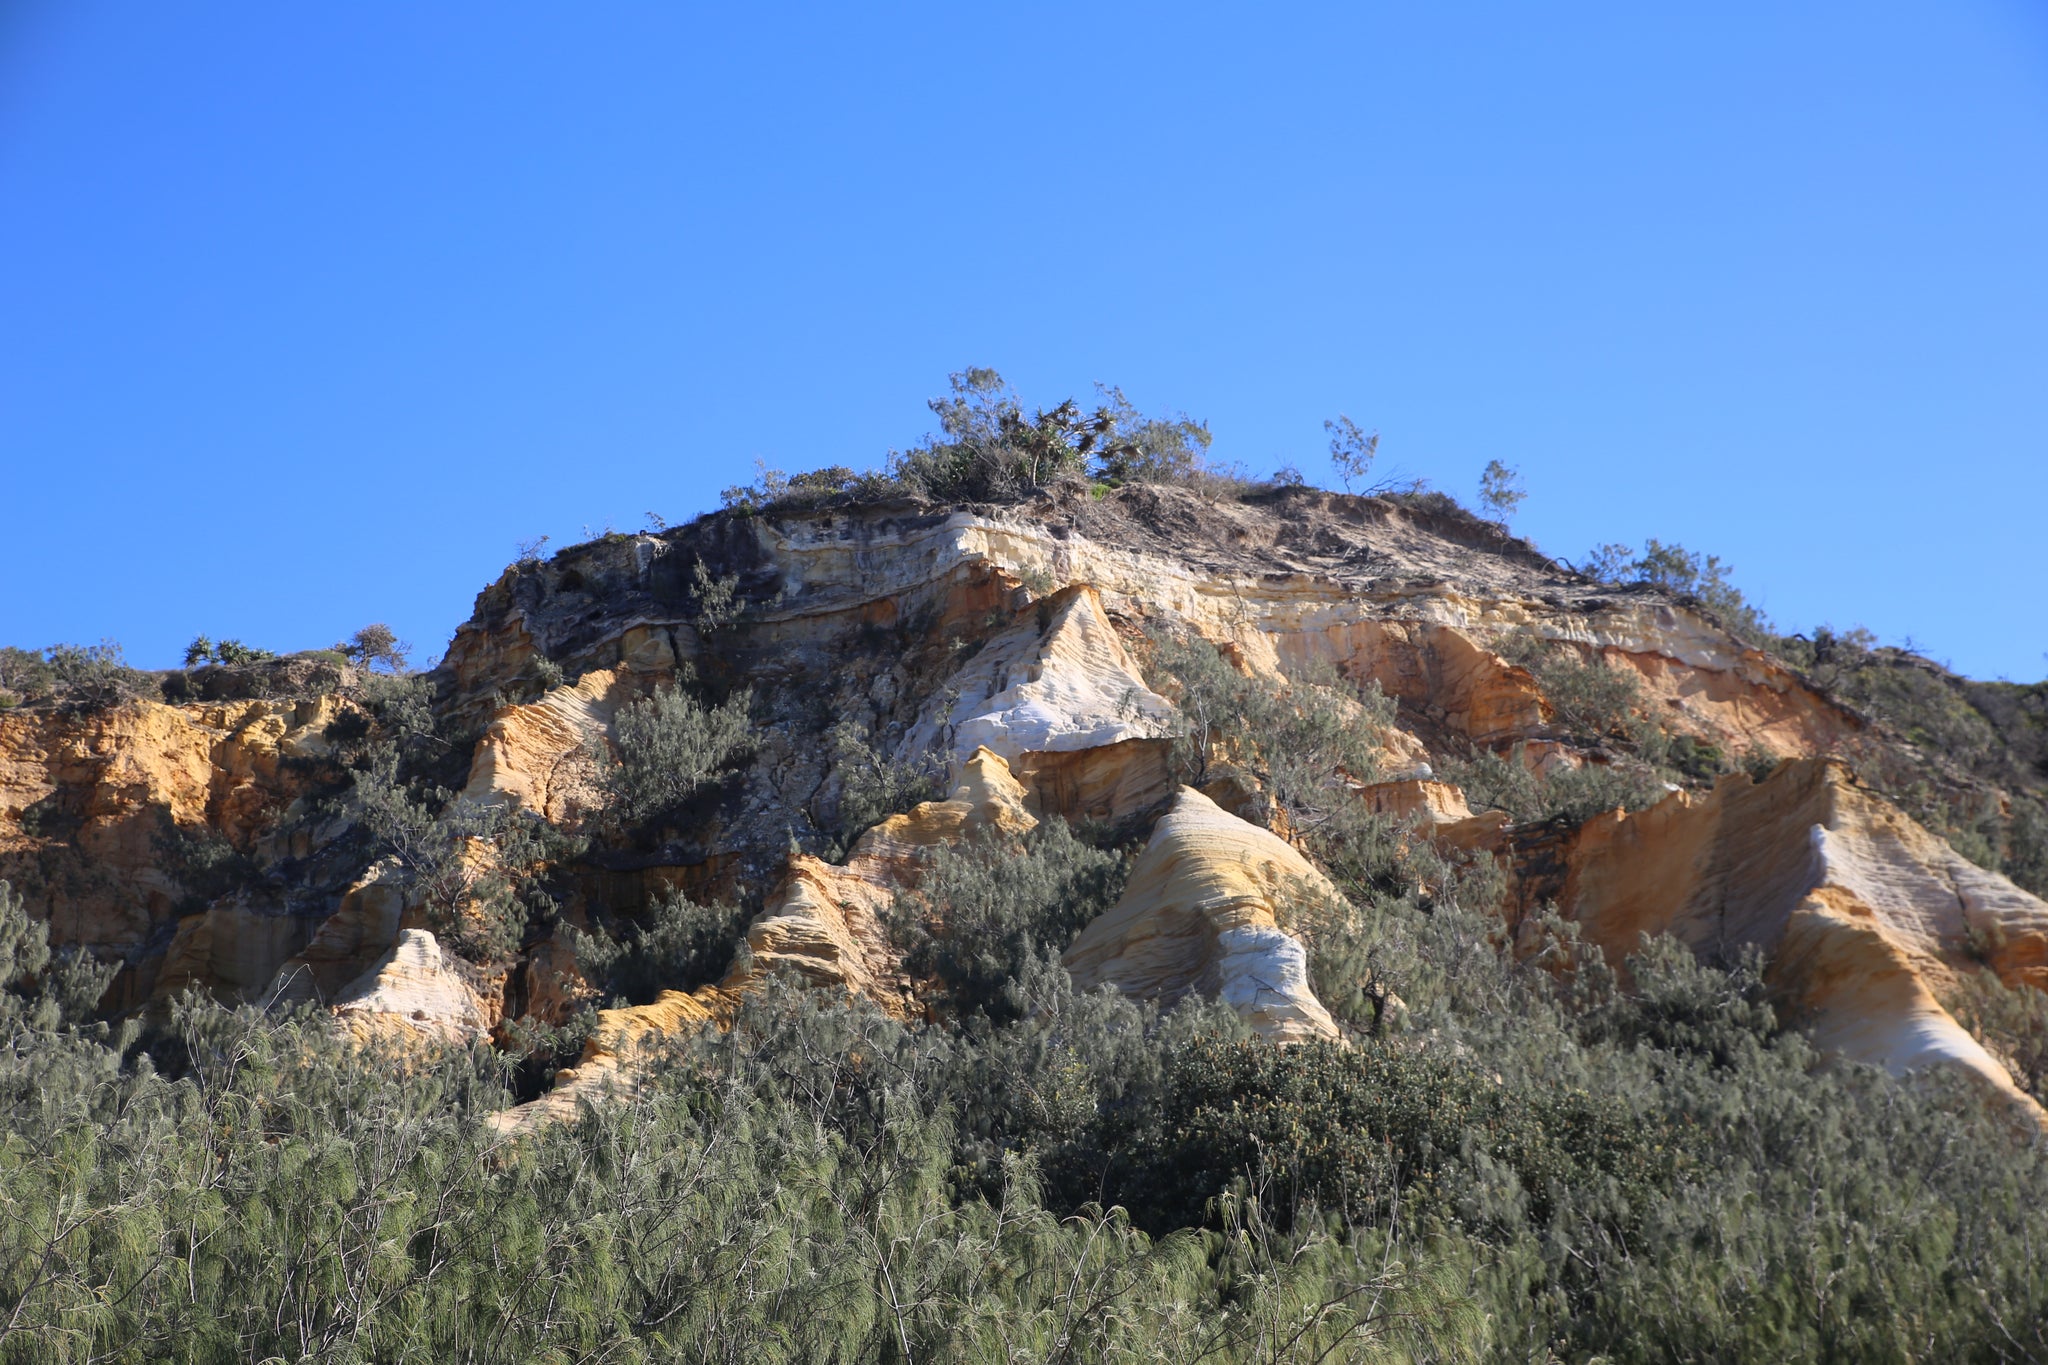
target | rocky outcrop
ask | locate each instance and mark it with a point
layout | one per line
(1864, 915)
(1058, 681)
(538, 756)
(411, 995)
(1201, 914)
(995, 644)
(825, 922)
(363, 926)
(89, 802)
(622, 1045)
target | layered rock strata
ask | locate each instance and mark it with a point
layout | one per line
(996, 643)
(412, 995)
(1202, 914)
(1863, 915)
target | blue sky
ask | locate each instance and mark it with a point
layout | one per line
(309, 313)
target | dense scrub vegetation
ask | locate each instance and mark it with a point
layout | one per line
(1530, 1162)
(88, 677)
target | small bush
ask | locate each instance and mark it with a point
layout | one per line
(1494, 782)
(670, 745)
(681, 945)
(1306, 743)
(42, 989)
(1682, 573)
(25, 675)
(2011, 1023)
(989, 450)
(1352, 450)
(1356, 1128)
(1590, 700)
(984, 911)
(94, 677)
(1500, 491)
(873, 787)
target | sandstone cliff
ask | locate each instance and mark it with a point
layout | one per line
(214, 845)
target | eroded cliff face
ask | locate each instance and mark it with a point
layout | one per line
(120, 826)
(999, 647)
(1864, 916)
(1202, 914)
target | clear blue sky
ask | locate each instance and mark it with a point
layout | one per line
(309, 312)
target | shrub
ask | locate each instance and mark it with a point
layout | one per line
(1509, 784)
(1590, 701)
(829, 487)
(1351, 449)
(1500, 491)
(1306, 742)
(983, 911)
(43, 989)
(1675, 1003)
(2012, 1023)
(717, 599)
(873, 787)
(669, 745)
(1139, 449)
(93, 676)
(1679, 571)
(681, 945)
(233, 652)
(988, 450)
(376, 646)
(474, 867)
(25, 675)
(1357, 1128)
(1695, 759)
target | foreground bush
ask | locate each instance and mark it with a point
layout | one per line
(1537, 1162)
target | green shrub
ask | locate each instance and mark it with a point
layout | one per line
(1306, 743)
(1683, 573)
(670, 745)
(1357, 1128)
(41, 989)
(94, 677)
(1696, 760)
(681, 945)
(1352, 450)
(374, 646)
(984, 911)
(873, 787)
(1500, 491)
(1591, 702)
(1508, 783)
(2011, 1022)
(25, 675)
(988, 450)
(472, 866)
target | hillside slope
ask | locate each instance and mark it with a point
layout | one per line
(902, 648)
